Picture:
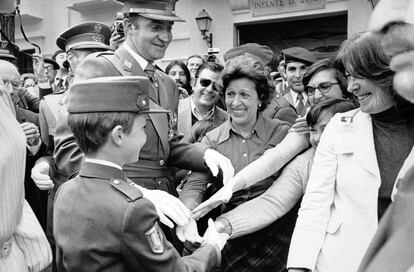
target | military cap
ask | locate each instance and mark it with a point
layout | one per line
(51, 61)
(111, 94)
(87, 35)
(298, 54)
(6, 51)
(163, 10)
(263, 52)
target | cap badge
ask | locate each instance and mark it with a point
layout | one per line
(3, 44)
(98, 28)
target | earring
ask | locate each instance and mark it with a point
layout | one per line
(260, 105)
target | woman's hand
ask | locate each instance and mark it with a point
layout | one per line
(221, 196)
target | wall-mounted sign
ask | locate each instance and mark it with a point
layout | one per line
(266, 7)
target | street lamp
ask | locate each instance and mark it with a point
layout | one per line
(204, 20)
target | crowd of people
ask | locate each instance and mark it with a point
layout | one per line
(108, 163)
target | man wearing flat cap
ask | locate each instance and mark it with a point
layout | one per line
(296, 60)
(279, 107)
(147, 26)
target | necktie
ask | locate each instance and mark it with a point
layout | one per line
(300, 105)
(150, 72)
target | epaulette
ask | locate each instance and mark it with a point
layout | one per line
(103, 53)
(127, 190)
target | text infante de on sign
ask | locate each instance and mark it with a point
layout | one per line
(266, 7)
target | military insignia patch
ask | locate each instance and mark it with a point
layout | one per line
(155, 239)
(3, 44)
(172, 124)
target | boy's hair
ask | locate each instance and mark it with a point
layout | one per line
(91, 130)
(332, 105)
(200, 129)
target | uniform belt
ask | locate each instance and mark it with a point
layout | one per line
(147, 169)
(5, 248)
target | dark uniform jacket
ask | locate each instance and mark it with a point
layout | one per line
(279, 108)
(150, 171)
(102, 223)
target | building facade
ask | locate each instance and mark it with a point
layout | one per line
(319, 25)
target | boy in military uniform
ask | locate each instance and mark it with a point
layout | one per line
(103, 220)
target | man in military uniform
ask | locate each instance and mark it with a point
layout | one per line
(296, 60)
(279, 107)
(103, 220)
(147, 27)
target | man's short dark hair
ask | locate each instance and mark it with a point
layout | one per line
(91, 130)
(212, 66)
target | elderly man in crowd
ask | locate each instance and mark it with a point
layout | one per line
(296, 60)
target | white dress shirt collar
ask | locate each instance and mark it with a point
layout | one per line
(103, 162)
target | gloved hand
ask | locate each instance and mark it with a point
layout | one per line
(215, 160)
(40, 175)
(189, 233)
(167, 205)
(221, 196)
(212, 236)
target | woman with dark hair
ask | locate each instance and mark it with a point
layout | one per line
(243, 138)
(289, 187)
(179, 72)
(322, 80)
(355, 165)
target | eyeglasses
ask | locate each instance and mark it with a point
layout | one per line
(205, 82)
(323, 87)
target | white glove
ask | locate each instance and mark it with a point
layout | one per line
(212, 236)
(189, 233)
(40, 175)
(167, 205)
(221, 196)
(215, 160)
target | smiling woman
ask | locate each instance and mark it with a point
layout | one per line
(356, 163)
(243, 139)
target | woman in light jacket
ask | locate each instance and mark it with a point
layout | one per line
(355, 165)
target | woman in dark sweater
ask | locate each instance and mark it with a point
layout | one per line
(355, 165)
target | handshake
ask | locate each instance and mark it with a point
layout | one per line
(169, 208)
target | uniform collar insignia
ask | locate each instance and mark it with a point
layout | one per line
(128, 64)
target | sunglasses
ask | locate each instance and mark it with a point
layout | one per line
(323, 87)
(204, 82)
